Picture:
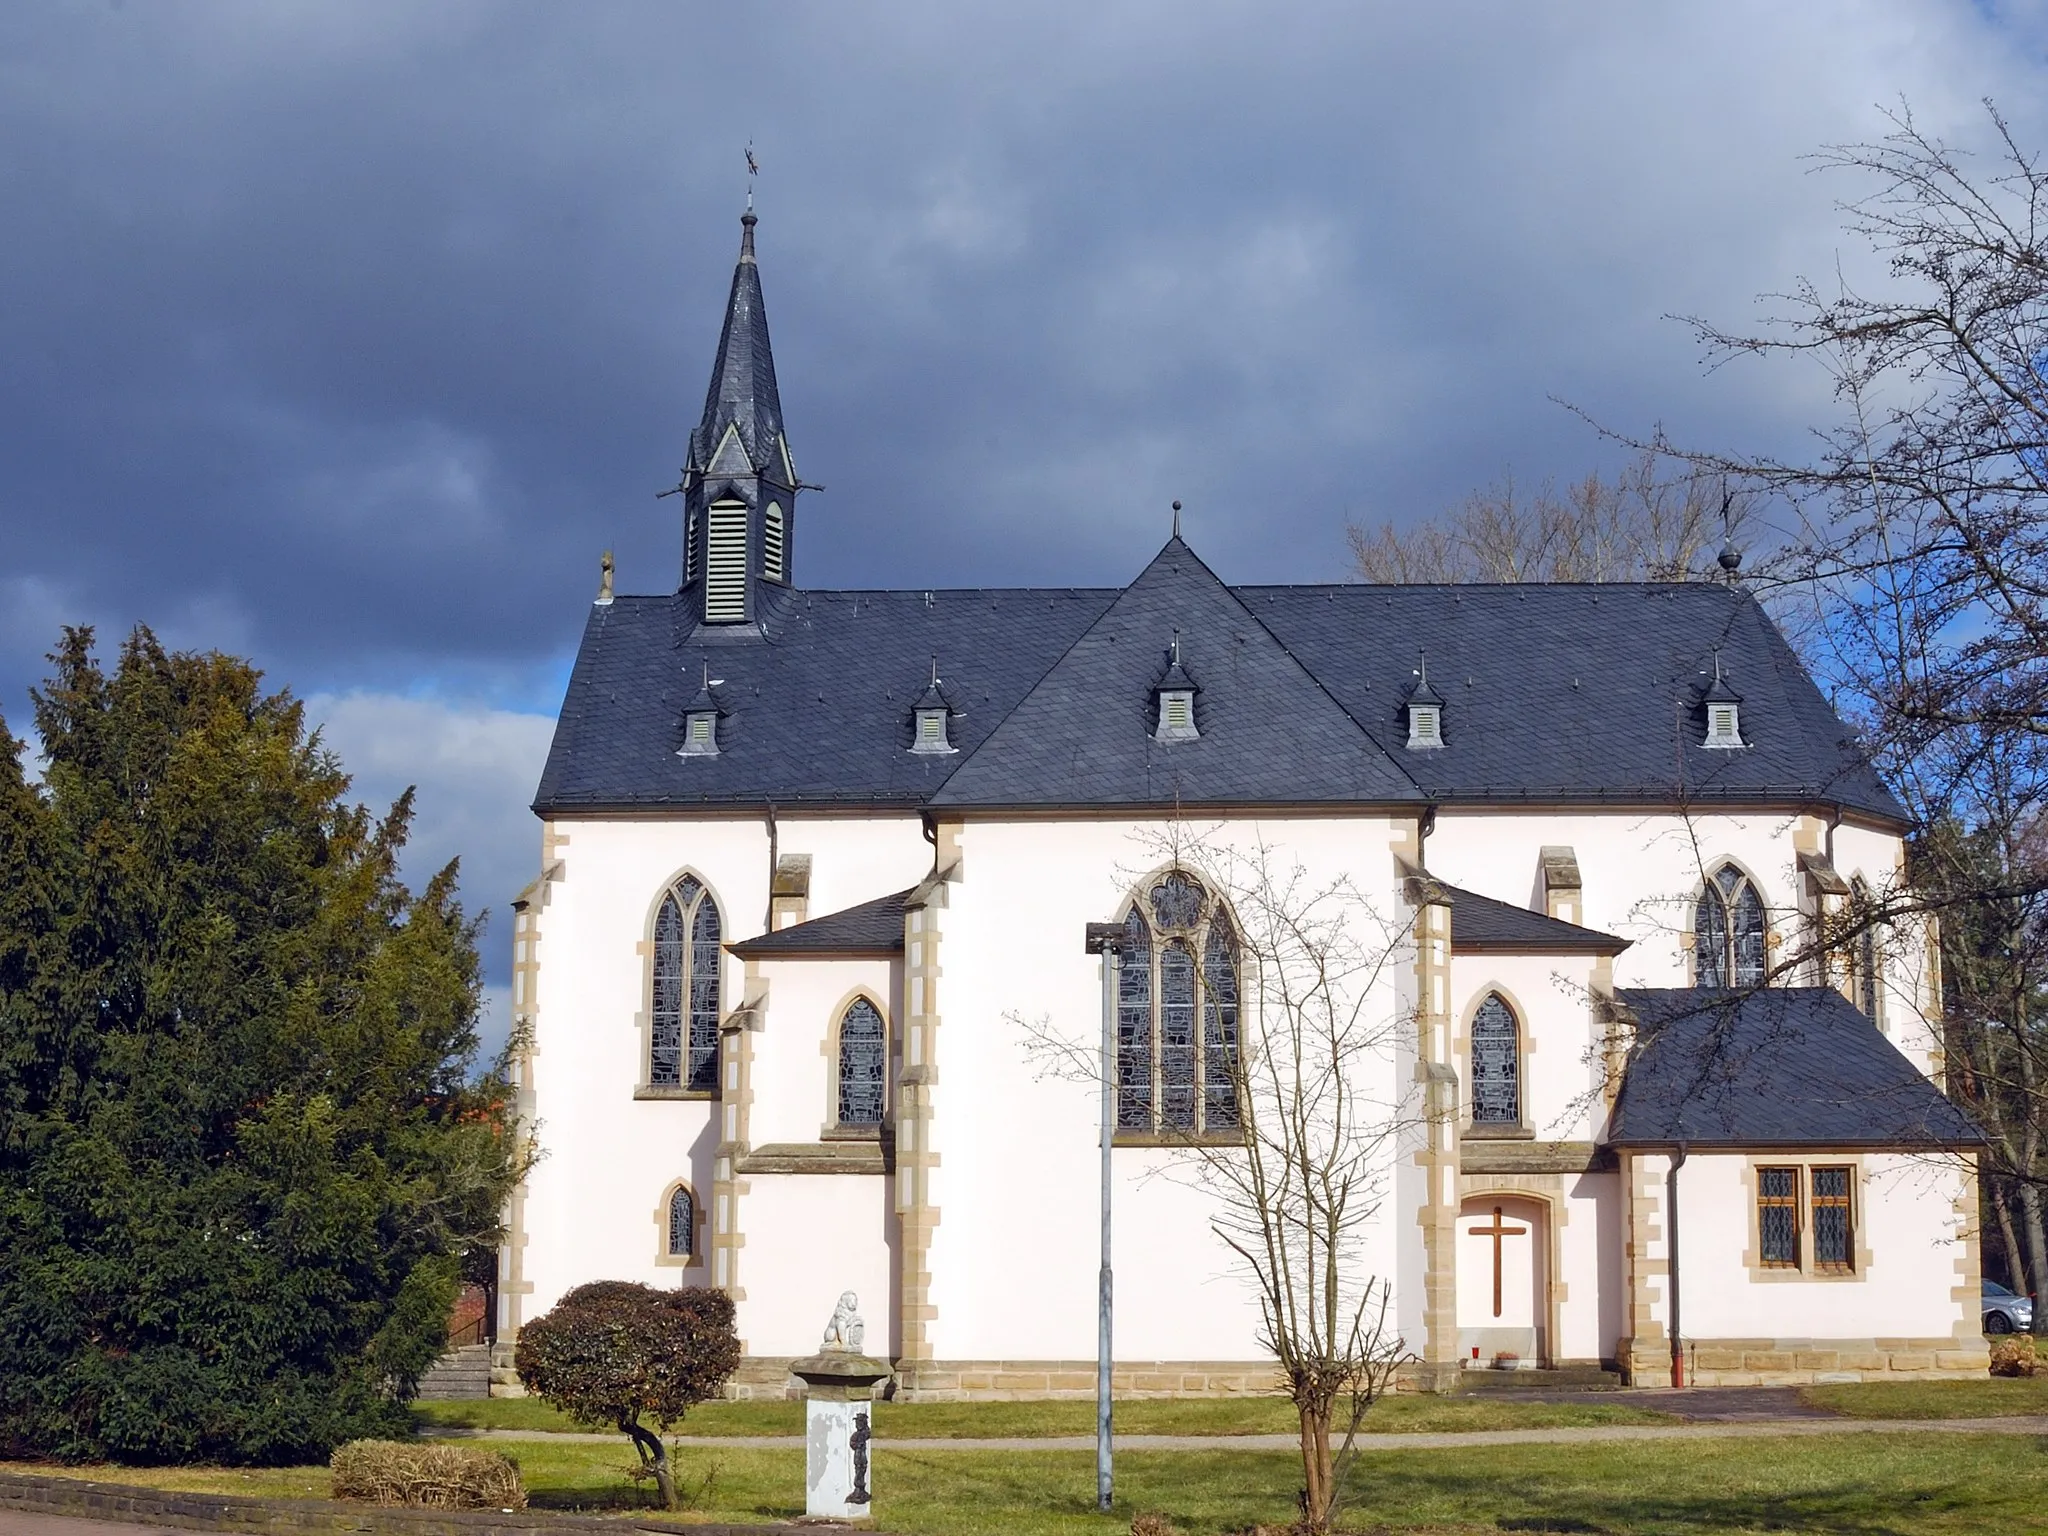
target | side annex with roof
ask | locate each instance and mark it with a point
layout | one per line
(812, 860)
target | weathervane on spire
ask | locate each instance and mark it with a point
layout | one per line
(753, 170)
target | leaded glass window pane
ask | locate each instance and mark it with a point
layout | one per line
(1777, 1217)
(862, 1064)
(682, 1224)
(1832, 1243)
(671, 962)
(1747, 940)
(1176, 901)
(1866, 973)
(1710, 940)
(1496, 1065)
(1177, 1036)
(704, 969)
(1219, 1031)
(1134, 1027)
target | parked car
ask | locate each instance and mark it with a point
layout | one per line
(2004, 1312)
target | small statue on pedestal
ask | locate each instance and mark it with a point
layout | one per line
(845, 1332)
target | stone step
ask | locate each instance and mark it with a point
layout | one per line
(1571, 1378)
(461, 1373)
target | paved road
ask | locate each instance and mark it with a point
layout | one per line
(1588, 1434)
(14, 1523)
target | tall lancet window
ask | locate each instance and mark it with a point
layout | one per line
(1178, 1004)
(1728, 932)
(683, 1042)
(863, 1064)
(1496, 1064)
(1866, 949)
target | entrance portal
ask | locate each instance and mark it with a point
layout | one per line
(1503, 1251)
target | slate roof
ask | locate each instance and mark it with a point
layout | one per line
(872, 928)
(743, 392)
(1481, 925)
(1781, 1067)
(1561, 694)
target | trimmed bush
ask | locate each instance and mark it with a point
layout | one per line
(426, 1476)
(613, 1351)
(2014, 1356)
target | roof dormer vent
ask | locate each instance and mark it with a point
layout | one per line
(1175, 695)
(700, 721)
(1425, 711)
(932, 732)
(1724, 713)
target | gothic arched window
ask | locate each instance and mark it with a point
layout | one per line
(1866, 950)
(682, 1047)
(1177, 1016)
(1496, 1064)
(682, 1223)
(1728, 932)
(863, 1064)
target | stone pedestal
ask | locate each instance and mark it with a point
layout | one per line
(839, 1397)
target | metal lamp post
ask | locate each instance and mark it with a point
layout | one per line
(1106, 940)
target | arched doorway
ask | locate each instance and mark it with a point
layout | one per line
(1503, 1282)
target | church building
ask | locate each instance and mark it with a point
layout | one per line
(818, 866)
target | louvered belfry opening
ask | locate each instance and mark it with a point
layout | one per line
(772, 544)
(725, 568)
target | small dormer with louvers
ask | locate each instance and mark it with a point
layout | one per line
(1173, 699)
(1424, 711)
(1723, 706)
(931, 720)
(740, 484)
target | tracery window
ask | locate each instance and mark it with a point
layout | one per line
(1177, 1017)
(683, 1043)
(1728, 932)
(1496, 1064)
(1866, 950)
(682, 1223)
(863, 1064)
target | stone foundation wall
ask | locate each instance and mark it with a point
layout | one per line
(1805, 1362)
(958, 1381)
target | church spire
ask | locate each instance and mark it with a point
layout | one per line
(740, 484)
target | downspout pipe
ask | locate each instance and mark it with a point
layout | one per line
(774, 862)
(1671, 1221)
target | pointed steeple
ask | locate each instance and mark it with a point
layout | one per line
(740, 484)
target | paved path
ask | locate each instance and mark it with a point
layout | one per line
(21, 1523)
(1585, 1434)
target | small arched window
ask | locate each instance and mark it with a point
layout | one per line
(863, 1064)
(772, 543)
(1728, 932)
(683, 1044)
(1177, 1014)
(682, 1223)
(1496, 1064)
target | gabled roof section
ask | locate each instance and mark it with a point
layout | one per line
(1780, 1067)
(872, 928)
(1083, 735)
(743, 392)
(1578, 693)
(1481, 925)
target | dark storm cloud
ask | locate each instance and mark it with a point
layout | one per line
(348, 334)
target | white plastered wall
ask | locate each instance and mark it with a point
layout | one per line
(1905, 1218)
(810, 1237)
(607, 1157)
(1015, 1252)
(792, 1076)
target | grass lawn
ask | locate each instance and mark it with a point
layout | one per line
(1415, 1413)
(1867, 1485)
(1933, 1399)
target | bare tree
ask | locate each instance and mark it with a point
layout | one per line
(1299, 1149)
(1636, 525)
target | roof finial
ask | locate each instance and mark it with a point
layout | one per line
(1176, 636)
(1176, 519)
(935, 671)
(1730, 557)
(604, 580)
(1424, 672)
(1717, 666)
(747, 220)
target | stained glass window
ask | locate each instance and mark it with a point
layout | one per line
(863, 1062)
(1728, 932)
(1777, 1217)
(1832, 1229)
(1219, 1029)
(682, 1224)
(1496, 1065)
(683, 1045)
(1177, 1036)
(1134, 1027)
(1176, 901)
(1866, 954)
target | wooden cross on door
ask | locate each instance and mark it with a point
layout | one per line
(1498, 1231)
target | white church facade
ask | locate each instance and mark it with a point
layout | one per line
(817, 866)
